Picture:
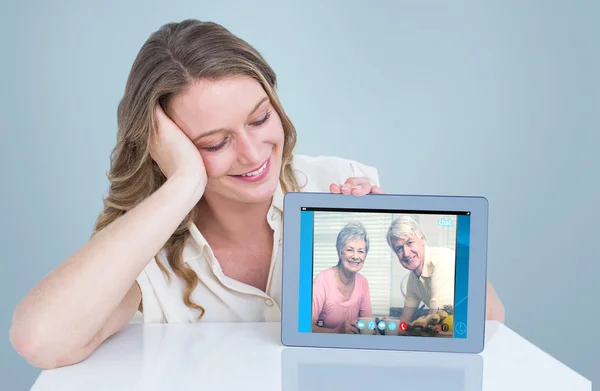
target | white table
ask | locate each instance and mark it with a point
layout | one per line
(244, 356)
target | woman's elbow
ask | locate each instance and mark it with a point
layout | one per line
(494, 307)
(37, 350)
(495, 313)
(27, 346)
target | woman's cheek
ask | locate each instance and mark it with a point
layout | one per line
(276, 133)
(216, 164)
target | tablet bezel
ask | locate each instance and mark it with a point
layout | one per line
(477, 275)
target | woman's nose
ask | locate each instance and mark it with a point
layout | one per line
(248, 150)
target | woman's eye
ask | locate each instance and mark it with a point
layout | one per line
(216, 147)
(264, 119)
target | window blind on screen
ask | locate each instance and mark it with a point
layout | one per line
(377, 266)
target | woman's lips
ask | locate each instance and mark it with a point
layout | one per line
(257, 174)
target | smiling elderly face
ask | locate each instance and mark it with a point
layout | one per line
(410, 251)
(407, 241)
(353, 255)
(352, 246)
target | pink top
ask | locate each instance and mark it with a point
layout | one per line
(331, 307)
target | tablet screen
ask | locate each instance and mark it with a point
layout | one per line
(384, 273)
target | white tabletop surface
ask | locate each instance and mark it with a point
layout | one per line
(249, 356)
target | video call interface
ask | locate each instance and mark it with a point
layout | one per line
(384, 273)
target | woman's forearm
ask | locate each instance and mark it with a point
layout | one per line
(69, 307)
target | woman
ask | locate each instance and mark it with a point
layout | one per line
(340, 293)
(191, 226)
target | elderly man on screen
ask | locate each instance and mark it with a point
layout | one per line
(431, 280)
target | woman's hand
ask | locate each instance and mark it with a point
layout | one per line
(356, 186)
(174, 152)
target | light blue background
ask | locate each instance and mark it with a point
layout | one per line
(499, 99)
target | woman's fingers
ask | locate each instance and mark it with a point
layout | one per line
(357, 186)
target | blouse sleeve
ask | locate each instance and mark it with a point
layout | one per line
(317, 173)
(363, 170)
(151, 308)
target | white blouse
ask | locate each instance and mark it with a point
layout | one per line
(225, 299)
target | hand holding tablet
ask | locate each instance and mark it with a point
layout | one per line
(345, 259)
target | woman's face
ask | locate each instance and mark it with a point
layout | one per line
(238, 133)
(353, 255)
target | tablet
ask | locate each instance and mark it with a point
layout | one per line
(384, 271)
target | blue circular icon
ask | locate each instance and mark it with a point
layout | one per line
(360, 325)
(381, 325)
(392, 326)
(371, 325)
(460, 328)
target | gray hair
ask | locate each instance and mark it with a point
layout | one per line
(402, 228)
(351, 231)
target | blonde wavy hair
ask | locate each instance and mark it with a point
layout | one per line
(169, 61)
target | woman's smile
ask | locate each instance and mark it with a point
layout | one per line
(256, 174)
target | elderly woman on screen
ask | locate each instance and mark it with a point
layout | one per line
(341, 293)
